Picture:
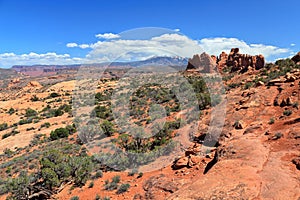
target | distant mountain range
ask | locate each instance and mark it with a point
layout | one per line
(177, 62)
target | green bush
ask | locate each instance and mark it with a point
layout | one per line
(287, 112)
(3, 126)
(30, 113)
(46, 125)
(123, 188)
(34, 98)
(54, 95)
(248, 85)
(74, 198)
(113, 184)
(91, 185)
(11, 111)
(272, 120)
(59, 133)
(107, 128)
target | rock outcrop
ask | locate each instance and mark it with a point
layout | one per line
(204, 63)
(237, 61)
(296, 58)
(240, 61)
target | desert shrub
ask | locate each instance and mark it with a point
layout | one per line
(34, 98)
(18, 187)
(99, 174)
(287, 112)
(140, 175)
(30, 129)
(91, 185)
(132, 172)
(30, 113)
(58, 112)
(107, 128)
(66, 108)
(234, 85)
(3, 126)
(248, 85)
(74, 198)
(50, 178)
(46, 125)
(25, 121)
(54, 95)
(113, 184)
(11, 111)
(59, 133)
(123, 188)
(295, 105)
(71, 129)
(102, 97)
(102, 112)
(60, 166)
(6, 135)
(272, 120)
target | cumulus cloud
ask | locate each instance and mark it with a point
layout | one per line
(163, 45)
(84, 46)
(176, 44)
(128, 49)
(32, 58)
(107, 36)
(217, 45)
(72, 44)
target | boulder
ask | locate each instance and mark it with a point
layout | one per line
(180, 163)
(193, 160)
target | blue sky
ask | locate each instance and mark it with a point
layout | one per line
(44, 31)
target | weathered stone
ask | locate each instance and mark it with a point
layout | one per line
(296, 58)
(194, 160)
(203, 63)
(180, 163)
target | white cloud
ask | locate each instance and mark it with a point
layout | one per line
(292, 45)
(217, 45)
(72, 44)
(173, 44)
(177, 30)
(107, 36)
(176, 44)
(50, 58)
(164, 45)
(84, 46)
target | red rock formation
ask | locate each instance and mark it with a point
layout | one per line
(240, 61)
(222, 60)
(296, 58)
(236, 60)
(203, 63)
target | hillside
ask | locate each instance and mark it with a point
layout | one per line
(240, 141)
